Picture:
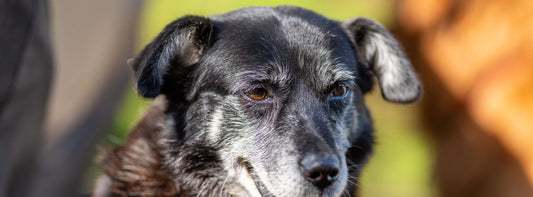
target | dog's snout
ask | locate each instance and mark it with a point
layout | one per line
(320, 169)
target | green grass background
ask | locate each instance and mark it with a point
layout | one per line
(401, 163)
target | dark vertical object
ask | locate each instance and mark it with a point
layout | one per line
(28, 166)
(25, 74)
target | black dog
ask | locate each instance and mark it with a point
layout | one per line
(259, 101)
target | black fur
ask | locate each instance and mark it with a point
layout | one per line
(212, 130)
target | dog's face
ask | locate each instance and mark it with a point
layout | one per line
(269, 101)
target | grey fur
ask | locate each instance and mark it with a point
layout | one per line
(379, 51)
(207, 137)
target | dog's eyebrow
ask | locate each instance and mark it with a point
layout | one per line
(349, 83)
(342, 74)
(272, 75)
(278, 76)
(329, 75)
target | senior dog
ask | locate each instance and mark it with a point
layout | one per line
(257, 102)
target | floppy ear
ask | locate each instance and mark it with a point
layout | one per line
(173, 52)
(382, 54)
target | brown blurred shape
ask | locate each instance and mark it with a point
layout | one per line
(476, 60)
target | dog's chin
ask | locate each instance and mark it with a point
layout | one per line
(304, 189)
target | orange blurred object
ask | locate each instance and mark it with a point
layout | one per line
(476, 60)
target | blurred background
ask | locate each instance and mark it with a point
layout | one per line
(470, 135)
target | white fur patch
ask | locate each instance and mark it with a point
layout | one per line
(215, 122)
(397, 79)
(246, 181)
(386, 59)
(378, 50)
(102, 187)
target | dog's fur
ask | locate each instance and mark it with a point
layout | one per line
(205, 136)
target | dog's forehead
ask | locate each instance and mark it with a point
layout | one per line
(270, 44)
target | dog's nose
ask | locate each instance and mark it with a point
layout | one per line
(320, 169)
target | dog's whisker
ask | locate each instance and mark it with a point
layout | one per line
(354, 167)
(223, 184)
(345, 192)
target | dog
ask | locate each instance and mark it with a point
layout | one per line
(260, 101)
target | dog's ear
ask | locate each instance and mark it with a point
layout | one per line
(382, 55)
(174, 51)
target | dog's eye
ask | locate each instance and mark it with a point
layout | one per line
(339, 90)
(257, 94)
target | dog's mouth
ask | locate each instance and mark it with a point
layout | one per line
(261, 188)
(258, 184)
